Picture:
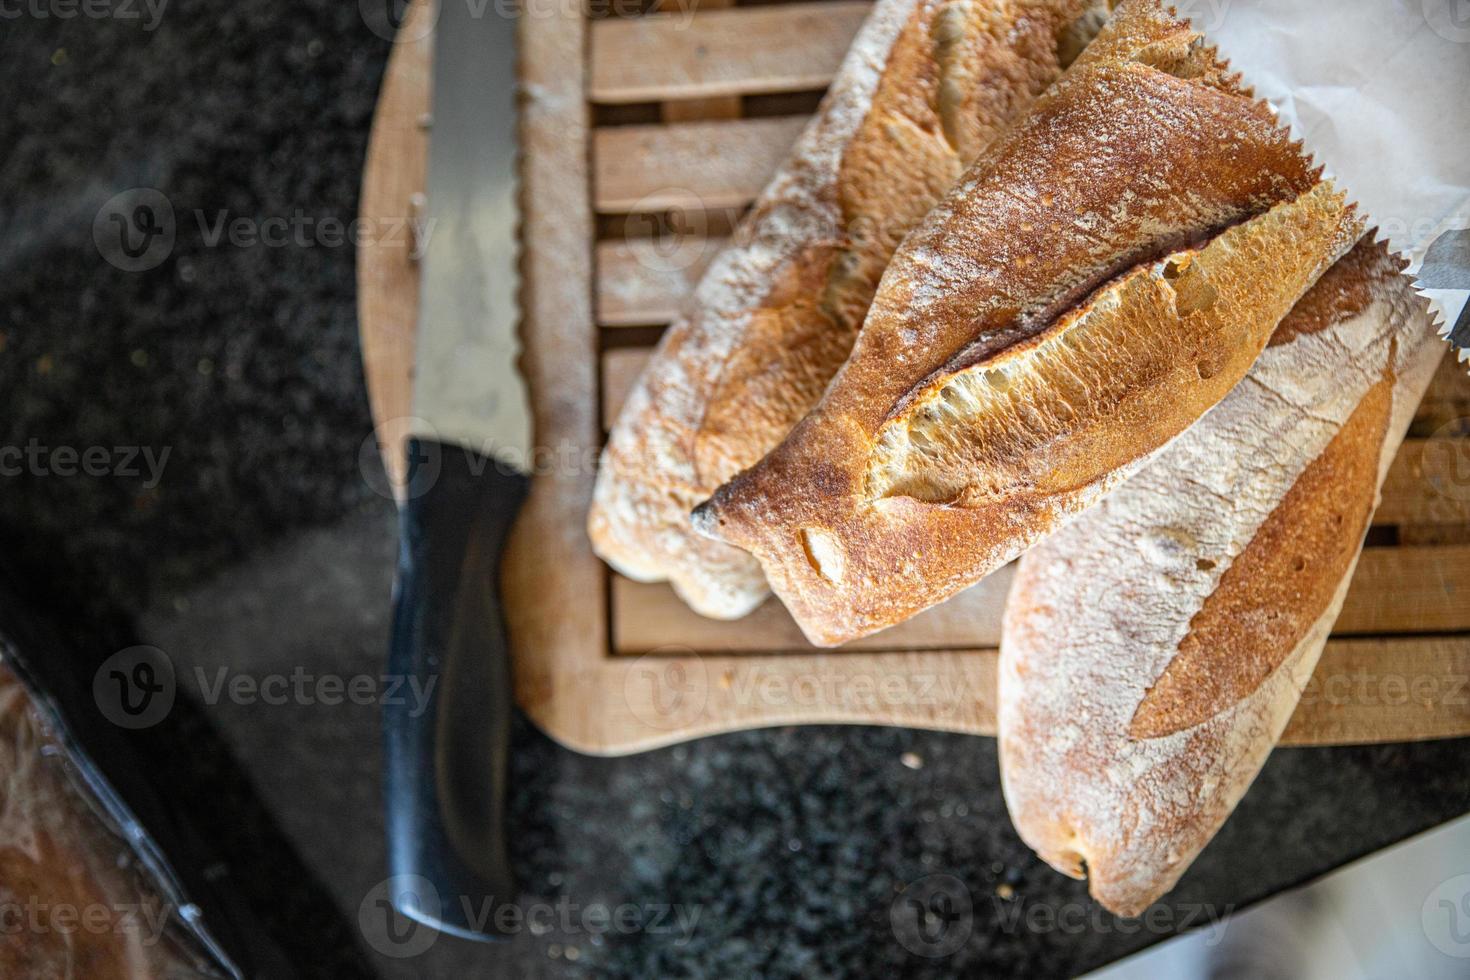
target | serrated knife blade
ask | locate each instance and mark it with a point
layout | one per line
(467, 389)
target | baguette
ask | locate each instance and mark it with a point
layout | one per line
(1153, 651)
(1102, 277)
(926, 85)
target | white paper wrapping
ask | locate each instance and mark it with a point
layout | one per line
(1379, 93)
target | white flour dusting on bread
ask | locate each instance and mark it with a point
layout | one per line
(927, 84)
(1154, 649)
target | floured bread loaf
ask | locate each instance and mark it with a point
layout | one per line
(927, 84)
(1154, 649)
(1105, 274)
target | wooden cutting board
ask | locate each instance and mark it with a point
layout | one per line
(644, 139)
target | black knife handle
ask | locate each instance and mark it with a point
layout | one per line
(448, 737)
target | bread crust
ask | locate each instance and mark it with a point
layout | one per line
(1106, 273)
(927, 84)
(1154, 650)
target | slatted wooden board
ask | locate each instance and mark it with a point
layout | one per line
(645, 138)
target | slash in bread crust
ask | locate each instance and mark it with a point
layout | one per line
(927, 85)
(1154, 650)
(1103, 276)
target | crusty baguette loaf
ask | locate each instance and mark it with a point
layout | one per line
(1154, 649)
(927, 84)
(1105, 274)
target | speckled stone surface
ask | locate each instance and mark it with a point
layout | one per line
(795, 849)
(813, 852)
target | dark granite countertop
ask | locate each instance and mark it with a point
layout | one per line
(260, 549)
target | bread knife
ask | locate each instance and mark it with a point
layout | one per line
(446, 763)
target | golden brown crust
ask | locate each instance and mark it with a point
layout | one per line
(1154, 649)
(901, 160)
(1367, 272)
(808, 317)
(763, 338)
(1105, 274)
(1277, 588)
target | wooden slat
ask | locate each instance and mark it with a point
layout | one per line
(694, 110)
(703, 165)
(620, 368)
(1417, 589)
(1395, 590)
(645, 281)
(1447, 401)
(648, 616)
(1411, 534)
(1385, 690)
(1364, 691)
(1429, 483)
(786, 48)
(683, 109)
(1451, 383)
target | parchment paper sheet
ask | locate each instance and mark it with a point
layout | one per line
(1379, 93)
